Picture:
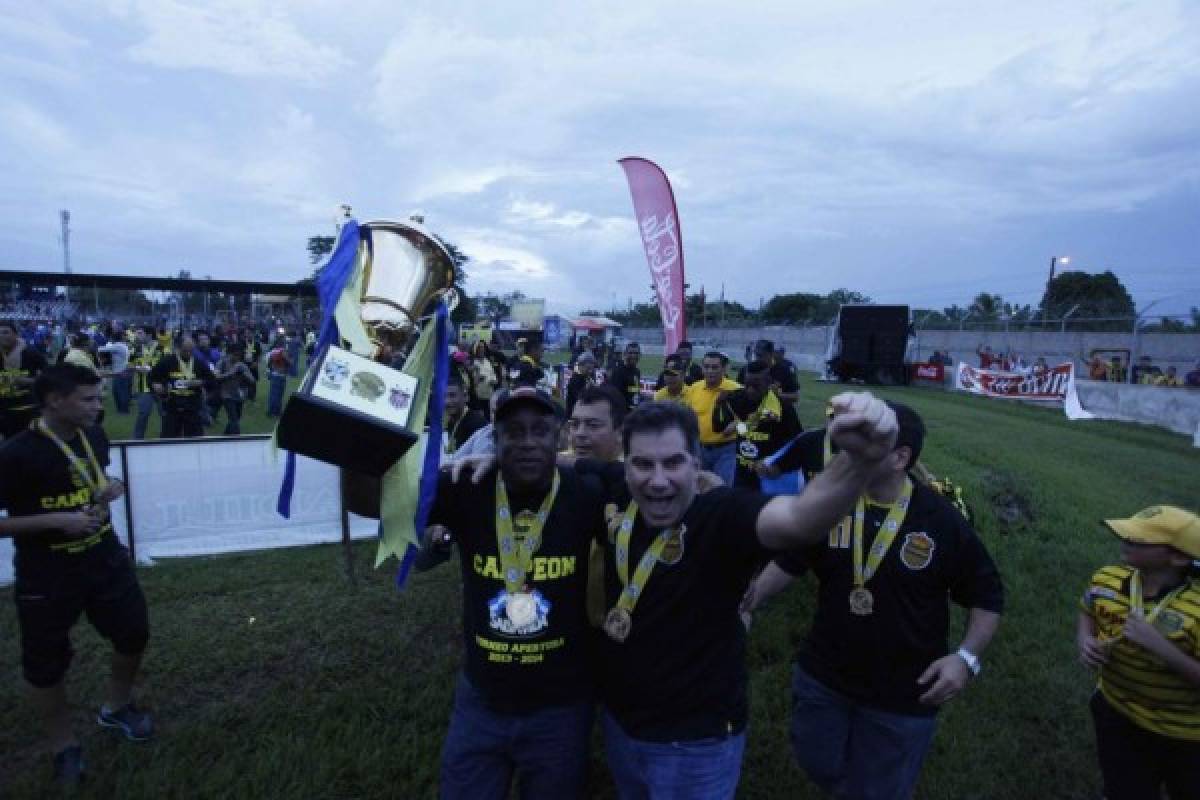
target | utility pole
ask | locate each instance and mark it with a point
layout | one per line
(65, 218)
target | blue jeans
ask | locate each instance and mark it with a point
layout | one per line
(547, 749)
(146, 402)
(721, 459)
(278, 382)
(854, 752)
(703, 769)
(122, 389)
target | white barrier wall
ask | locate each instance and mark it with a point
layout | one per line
(200, 497)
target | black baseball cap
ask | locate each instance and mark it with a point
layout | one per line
(527, 395)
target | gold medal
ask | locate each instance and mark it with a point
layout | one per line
(617, 624)
(521, 609)
(862, 602)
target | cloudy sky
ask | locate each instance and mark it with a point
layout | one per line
(919, 152)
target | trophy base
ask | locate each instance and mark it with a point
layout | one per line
(322, 430)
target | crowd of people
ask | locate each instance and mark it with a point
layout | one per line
(616, 542)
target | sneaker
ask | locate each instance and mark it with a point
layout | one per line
(136, 725)
(68, 766)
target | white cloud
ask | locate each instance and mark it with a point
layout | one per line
(237, 37)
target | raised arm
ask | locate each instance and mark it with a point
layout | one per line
(864, 429)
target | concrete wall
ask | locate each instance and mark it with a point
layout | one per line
(806, 346)
(1176, 409)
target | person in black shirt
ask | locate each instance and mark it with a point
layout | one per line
(673, 676)
(762, 421)
(627, 377)
(19, 366)
(873, 671)
(68, 560)
(783, 372)
(583, 376)
(460, 422)
(524, 702)
(179, 379)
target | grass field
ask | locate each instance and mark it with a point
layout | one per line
(271, 675)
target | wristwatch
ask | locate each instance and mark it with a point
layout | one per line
(971, 660)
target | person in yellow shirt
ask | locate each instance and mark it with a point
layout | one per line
(718, 449)
(674, 381)
(1139, 626)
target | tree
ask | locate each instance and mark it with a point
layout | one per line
(320, 246)
(986, 306)
(1101, 298)
(792, 308)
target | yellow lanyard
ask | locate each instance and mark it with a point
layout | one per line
(516, 558)
(96, 484)
(632, 589)
(188, 370)
(883, 541)
(1137, 604)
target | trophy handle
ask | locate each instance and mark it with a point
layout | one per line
(451, 298)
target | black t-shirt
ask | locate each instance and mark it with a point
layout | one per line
(681, 673)
(35, 478)
(169, 372)
(468, 423)
(877, 659)
(628, 381)
(768, 435)
(549, 663)
(18, 400)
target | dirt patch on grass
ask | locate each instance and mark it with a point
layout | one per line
(1009, 501)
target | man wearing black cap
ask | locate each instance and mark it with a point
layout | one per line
(523, 703)
(875, 667)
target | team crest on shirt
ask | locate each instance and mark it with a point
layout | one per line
(673, 547)
(917, 550)
(1169, 622)
(748, 449)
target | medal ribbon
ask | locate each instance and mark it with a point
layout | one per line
(100, 480)
(883, 541)
(189, 371)
(516, 559)
(1136, 604)
(633, 588)
(768, 407)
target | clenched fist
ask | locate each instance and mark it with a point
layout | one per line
(863, 426)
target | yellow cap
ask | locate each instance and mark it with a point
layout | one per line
(1161, 525)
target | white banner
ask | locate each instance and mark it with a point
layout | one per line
(202, 497)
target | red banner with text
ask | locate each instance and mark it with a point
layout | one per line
(1050, 384)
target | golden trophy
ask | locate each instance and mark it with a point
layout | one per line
(352, 409)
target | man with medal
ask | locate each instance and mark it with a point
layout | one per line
(180, 378)
(672, 671)
(19, 366)
(762, 422)
(68, 560)
(875, 667)
(524, 701)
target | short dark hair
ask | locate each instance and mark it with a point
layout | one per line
(455, 378)
(62, 379)
(715, 354)
(756, 367)
(683, 344)
(605, 393)
(656, 417)
(633, 346)
(764, 346)
(911, 433)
